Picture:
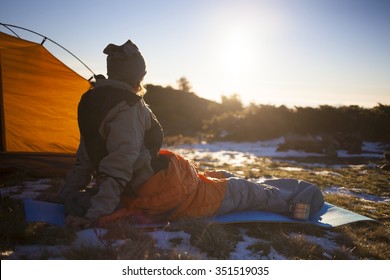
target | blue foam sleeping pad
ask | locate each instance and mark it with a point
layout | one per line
(329, 216)
(42, 211)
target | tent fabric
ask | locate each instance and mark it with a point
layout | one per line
(38, 98)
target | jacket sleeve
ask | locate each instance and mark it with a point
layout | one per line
(80, 174)
(124, 129)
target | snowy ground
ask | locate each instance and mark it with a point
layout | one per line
(241, 152)
(234, 154)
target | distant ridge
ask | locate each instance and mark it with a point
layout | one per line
(180, 112)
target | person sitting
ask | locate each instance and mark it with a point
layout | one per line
(120, 147)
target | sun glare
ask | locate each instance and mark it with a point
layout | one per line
(242, 53)
(236, 57)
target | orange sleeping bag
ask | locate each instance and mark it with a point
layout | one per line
(176, 192)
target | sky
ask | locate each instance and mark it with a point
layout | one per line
(278, 52)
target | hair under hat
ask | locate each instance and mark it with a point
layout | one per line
(125, 63)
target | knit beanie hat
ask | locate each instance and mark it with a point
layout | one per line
(125, 63)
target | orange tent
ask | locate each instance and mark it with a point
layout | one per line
(38, 102)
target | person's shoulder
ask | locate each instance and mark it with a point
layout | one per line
(140, 107)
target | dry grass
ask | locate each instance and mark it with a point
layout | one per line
(218, 241)
(290, 240)
(87, 252)
(134, 244)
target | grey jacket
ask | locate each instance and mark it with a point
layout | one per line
(128, 162)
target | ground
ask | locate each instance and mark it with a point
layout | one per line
(354, 182)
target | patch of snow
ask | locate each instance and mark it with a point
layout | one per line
(260, 180)
(25, 195)
(300, 169)
(242, 252)
(163, 238)
(241, 149)
(241, 153)
(9, 191)
(28, 189)
(374, 147)
(31, 191)
(291, 169)
(345, 154)
(304, 164)
(90, 237)
(363, 166)
(274, 255)
(232, 158)
(43, 181)
(37, 187)
(328, 173)
(355, 193)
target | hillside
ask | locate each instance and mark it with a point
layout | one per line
(180, 112)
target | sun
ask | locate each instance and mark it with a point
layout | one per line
(236, 58)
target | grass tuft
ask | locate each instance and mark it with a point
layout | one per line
(261, 248)
(87, 252)
(217, 240)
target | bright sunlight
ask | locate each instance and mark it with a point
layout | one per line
(236, 58)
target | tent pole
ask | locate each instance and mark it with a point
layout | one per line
(44, 40)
